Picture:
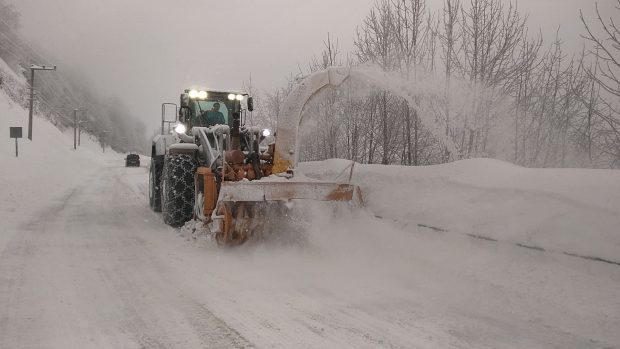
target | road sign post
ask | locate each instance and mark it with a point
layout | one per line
(15, 132)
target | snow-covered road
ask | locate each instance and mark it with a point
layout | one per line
(82, 274)
(97, 269)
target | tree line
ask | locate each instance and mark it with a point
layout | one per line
(475, 83)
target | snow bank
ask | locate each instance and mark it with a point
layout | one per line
(574, 211)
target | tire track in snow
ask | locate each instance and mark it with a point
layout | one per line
(210, 330)
(79, 275)
(16, 261)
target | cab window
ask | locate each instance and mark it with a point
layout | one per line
(203, 106)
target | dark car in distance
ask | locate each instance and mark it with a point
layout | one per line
(132, 160)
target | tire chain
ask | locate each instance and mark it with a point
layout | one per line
(178, 191)
(155, 175)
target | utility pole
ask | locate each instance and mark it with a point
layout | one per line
(75, 123)
(103, 141)
(32, 69)
(76, 126)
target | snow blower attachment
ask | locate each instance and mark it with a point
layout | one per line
(238, 211)
(212, 169)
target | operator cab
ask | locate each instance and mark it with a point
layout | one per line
(208, 109)
(199, 108)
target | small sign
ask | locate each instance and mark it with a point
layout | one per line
(16, 132)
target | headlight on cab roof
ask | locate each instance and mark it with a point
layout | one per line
(195, 94)
(231, 96)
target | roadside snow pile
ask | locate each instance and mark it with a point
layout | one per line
(574, 211)
(47, 166)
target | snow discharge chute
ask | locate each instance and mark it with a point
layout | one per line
(291, 114)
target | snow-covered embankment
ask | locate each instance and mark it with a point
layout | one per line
(572, 211)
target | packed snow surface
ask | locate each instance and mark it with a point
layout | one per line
(472, 254)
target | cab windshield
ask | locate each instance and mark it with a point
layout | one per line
(201, 107)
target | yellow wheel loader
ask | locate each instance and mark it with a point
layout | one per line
(209, 166)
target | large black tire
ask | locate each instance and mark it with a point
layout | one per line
(177, 191)
(157, 166)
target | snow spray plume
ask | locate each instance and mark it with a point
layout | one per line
(449, 110)
(283, 224)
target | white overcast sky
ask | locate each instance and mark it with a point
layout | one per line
(148, 51)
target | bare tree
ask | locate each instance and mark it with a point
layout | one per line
(490, 36)
(449, 38)
(491, 33)
(412, 28)
(375, 43)
(606, 73)
(606, 48)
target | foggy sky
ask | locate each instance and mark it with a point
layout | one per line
(148, 51)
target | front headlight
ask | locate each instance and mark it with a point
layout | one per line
(266, 132)
(180, 128)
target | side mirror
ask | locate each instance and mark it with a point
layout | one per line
(250, 103)
(163, 114)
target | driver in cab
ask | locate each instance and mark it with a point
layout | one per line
(210, 117)
(215, 116)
